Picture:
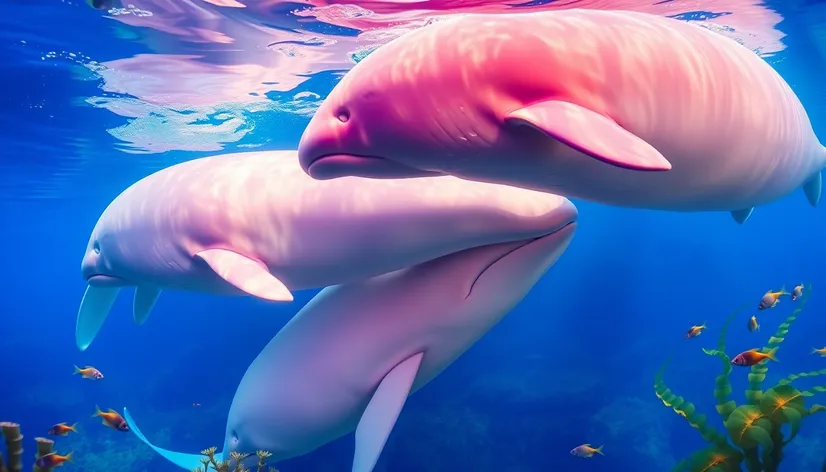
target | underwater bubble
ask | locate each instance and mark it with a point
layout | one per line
(313, 41)
(359, 55)
(293, 48)
(305, 94)
(129, 10)
(335, 11)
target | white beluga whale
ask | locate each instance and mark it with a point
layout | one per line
(616, 107)
(350, 358)
(254, 223)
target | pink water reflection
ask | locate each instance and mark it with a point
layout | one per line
(209, 53)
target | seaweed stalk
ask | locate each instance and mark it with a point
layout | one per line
(722, 384)
(753, 460)
(685, 409)
(794, 377)
(813, 391)
(773, 456)
(758, 371)
(814, 409)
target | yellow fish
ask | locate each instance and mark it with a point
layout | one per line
(770, 299)
(586, 450)
(695, 331)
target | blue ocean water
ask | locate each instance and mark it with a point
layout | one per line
(574, 363)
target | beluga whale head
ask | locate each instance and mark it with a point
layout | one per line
(460, 96)
(119, 254)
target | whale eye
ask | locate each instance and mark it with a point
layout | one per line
(96, 247)
(343, 115)
(234, 436)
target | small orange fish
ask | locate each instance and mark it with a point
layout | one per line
(752, 357)
(771, 299)
(753, 324)
(61, 429)
(89, 372)
(695, 331)
(586, 450)
(821, 351)
(53, 460)
(797, 292)
(111, 419)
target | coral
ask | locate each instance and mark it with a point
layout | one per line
(754, 430)
(14, 447)
(210, 463)
(44, 447)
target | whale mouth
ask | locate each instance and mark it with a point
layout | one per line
(331, 166)
(517, 246)
(103, 280)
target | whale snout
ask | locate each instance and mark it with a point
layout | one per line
(324, 136)
(338, 143)
(89, 266)
(97, 276)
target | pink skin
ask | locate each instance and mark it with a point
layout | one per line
(285, 230)
(325, 374)
(716, 126)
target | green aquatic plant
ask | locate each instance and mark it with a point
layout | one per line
(210, 463)
(754, 431)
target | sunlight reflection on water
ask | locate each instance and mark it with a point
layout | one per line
(225, 56)
(201, 75)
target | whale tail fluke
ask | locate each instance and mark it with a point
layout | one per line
(185, 461)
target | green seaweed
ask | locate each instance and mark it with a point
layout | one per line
(755, 437)
(794, 377)
(685, 409)
(758, 371)
(722, 384)
(712, 459)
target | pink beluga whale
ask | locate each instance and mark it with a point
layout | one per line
(621, 108)
(254, 223)
(350, 358)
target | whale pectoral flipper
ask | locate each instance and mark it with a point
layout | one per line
(812, 188)
(144, 301)
(381, 413)
(246, 274)
(94, 308)
(740, 216)
(591, 133)
(186, 461)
